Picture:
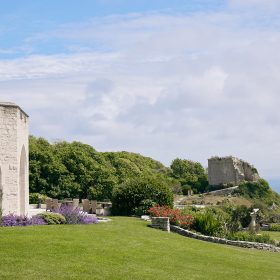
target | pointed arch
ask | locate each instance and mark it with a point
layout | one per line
(22, 181)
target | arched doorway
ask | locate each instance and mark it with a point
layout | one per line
(1, 189)
(22, 181)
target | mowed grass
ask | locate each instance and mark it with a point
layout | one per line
(125, 248)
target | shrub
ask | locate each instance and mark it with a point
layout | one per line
(175, 216)
(274, 218)
(185, 189)
(15, 220)
(75, 216)
(144, 207)
(35, 198)
(189, 173)
(207, 223)
(251, 237)
(239, 217)
(128, 196)
(274, 227)
(259, 189)
(52, 218)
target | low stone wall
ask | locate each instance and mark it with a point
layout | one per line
(161, 223)
(224, 192)
(244, 244)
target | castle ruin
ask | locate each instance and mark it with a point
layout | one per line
(14, 181)
(230, 171)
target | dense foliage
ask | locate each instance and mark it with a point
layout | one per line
(259, 189)
(210, 222)
(75, 170)
(63, 170)
(36, 198)
(251, 237)
(52, 218)
(190, 174)
(274, 227)
(129, 196)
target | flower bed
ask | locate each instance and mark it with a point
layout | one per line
(65, 215)
(15, 220)
(175, 215)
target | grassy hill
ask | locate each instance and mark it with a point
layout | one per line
(125, 248)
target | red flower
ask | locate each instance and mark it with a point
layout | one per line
(175, 215)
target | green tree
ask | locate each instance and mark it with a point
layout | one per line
(129, 196)
(190, 174)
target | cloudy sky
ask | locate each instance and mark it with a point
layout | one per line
(166, 79)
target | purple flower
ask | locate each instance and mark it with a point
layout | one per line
(12, 220)
(75, 216)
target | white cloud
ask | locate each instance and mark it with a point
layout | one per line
(166, 86)
(267, 4)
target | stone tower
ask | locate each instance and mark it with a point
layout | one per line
(14, 171)
(230, 170)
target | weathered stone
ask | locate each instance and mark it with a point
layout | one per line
(230, 170)
(14, 183)
(244, 244)
(161, 223)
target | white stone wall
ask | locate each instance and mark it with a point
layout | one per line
(13, 136)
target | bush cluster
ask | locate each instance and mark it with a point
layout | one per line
(129, 197)
(143, 208)
(207, 223)
(35, 198)
(190, 174)
(65, 215)
(52, 218)
(274, 227)
(251, 237)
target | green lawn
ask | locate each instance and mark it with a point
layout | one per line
(124, 249)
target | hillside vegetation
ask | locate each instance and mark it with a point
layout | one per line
(63, 170)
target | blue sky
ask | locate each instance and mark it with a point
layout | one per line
(23, 19)
(166, 79)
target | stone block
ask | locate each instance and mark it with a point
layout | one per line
(161, 223)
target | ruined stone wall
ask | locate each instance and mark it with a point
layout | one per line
(13, 137)
(230, 170)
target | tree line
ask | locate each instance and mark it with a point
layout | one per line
(63, 170)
